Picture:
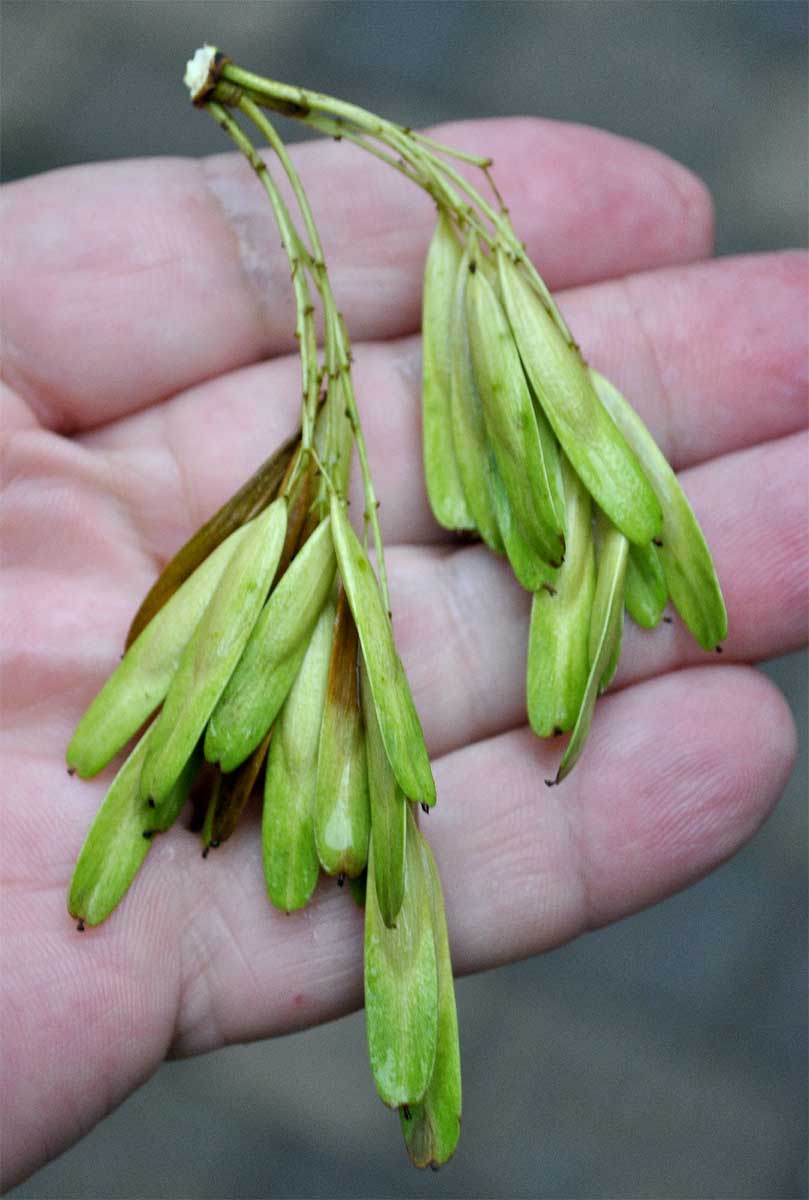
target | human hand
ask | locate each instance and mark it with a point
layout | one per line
(150, 366)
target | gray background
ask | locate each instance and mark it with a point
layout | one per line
(665, 1057)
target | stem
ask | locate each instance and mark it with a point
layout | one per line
(338, 344)
(423, 161)
(505, 230)
(342, 132)
(305, 325)
(423, 174)
(417, 150)
(474, 160)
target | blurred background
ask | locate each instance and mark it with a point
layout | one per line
(665, 1057)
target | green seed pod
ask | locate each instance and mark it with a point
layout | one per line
(291, 865)
(140, 681)
(251, 499)
(230, 796)
(358, 888)
(120, 836)
(646, 592)
(213, 651)
(558, 641)
(590, 438)
(520, 450)
(605, 636)
(401, 988)
(342, 814)
(686, 559)
(388, 810)
(299, 507)
(607, 542)
(472, 451)
(432, 1126)
(272, 657)
(530, 570)
(444, 488)
(398, 720)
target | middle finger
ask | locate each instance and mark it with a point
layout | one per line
(461, 620)
(693, 353)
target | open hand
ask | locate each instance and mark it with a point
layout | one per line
(149, 366)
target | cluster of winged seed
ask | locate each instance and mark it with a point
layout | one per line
(265, 646)
(263, 657)
(547, 462)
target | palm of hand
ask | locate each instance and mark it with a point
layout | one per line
(138, 402)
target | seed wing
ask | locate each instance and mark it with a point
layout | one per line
(646, 590)
(398, 720)
(441, 468)
(119, 838)
(213, 651)
(342, 814)
(558, 652)
(140, 681)
(605, 636)
(272, 657)
(401, 988)
(291, 865)
(432, 1126)
(687, 564)
(597, 449)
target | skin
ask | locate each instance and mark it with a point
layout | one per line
(150, 366)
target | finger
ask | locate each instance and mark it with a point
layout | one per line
(84, 1023)
(131, 281)
(681, 772)
(697, 361)
(714, 357)
(656, 805)
(461, 621)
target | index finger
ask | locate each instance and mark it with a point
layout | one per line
(127, 282)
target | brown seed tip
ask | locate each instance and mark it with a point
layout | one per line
(406, 1113)
(657, 541)
(718, 649)
(71, 771)
(550, 783)
(425, 808)
(668, 620)
(341, 879)
(148, 834)
(80, 925)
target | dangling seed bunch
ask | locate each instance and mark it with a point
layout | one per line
(263, 657)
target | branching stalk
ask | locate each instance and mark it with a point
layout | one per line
(305, 261)
(417, 151)
(305, 324)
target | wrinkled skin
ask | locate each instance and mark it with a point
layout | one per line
(149, 367)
